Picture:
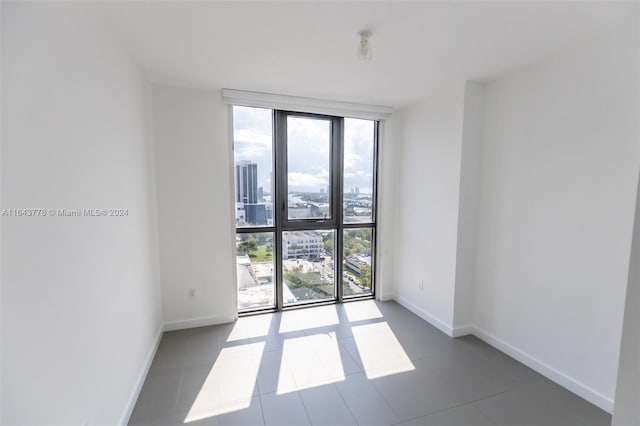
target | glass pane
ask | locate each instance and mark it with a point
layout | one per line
(358, 170)
(254, 264)
(356, 264)
(307, 263)
(253, 155)
(308, 167)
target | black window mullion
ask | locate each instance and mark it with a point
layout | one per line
(332, 223)
(358, 225)
(374, 197)
(308, 224)
(252, 230)
(280, 203)
(338, 188)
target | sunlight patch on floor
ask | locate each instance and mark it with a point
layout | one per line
(308, 319)
(230, 384)
(380, 351)
(359, 311)
(251, 327)
(312, 361)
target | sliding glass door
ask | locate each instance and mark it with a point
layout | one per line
(305, 208)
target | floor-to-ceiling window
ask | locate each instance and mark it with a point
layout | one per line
(305, 193)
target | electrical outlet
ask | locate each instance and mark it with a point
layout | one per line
(192, 292)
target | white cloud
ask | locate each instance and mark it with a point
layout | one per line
(304, 181)
(310, 135)
(351, 159)
(252, 142)
(359, 173)
(252, 136)
(358, 142)
(321, 173)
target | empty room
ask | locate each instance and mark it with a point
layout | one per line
(320, 213)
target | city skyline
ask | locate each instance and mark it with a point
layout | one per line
(253, 141)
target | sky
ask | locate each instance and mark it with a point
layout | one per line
(308, 150)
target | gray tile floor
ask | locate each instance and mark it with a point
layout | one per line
(362, 363)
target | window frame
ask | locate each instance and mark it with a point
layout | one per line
(282, 223)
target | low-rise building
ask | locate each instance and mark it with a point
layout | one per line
(302, 245)
(356, 261)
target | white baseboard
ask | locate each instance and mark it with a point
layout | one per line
(385, 297)
(133, 398)
(553, 374)
(462, 330)
(196, 322)
(168, 326)
(546, 370)
(427, 316)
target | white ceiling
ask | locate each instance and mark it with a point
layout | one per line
(310, 48)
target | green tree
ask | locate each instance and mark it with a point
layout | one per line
(328, 245)
(248, 245)
(365, 275)
(358, 247)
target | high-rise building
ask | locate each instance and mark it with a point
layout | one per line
(246, 182)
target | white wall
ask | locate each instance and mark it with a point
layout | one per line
(387, 201)
(81, 296)
(627, 411)
(558, 181)
(194, 175)
(1, 205)
(195, 210)
(428, 183)
(471, 150)
(436, 214)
